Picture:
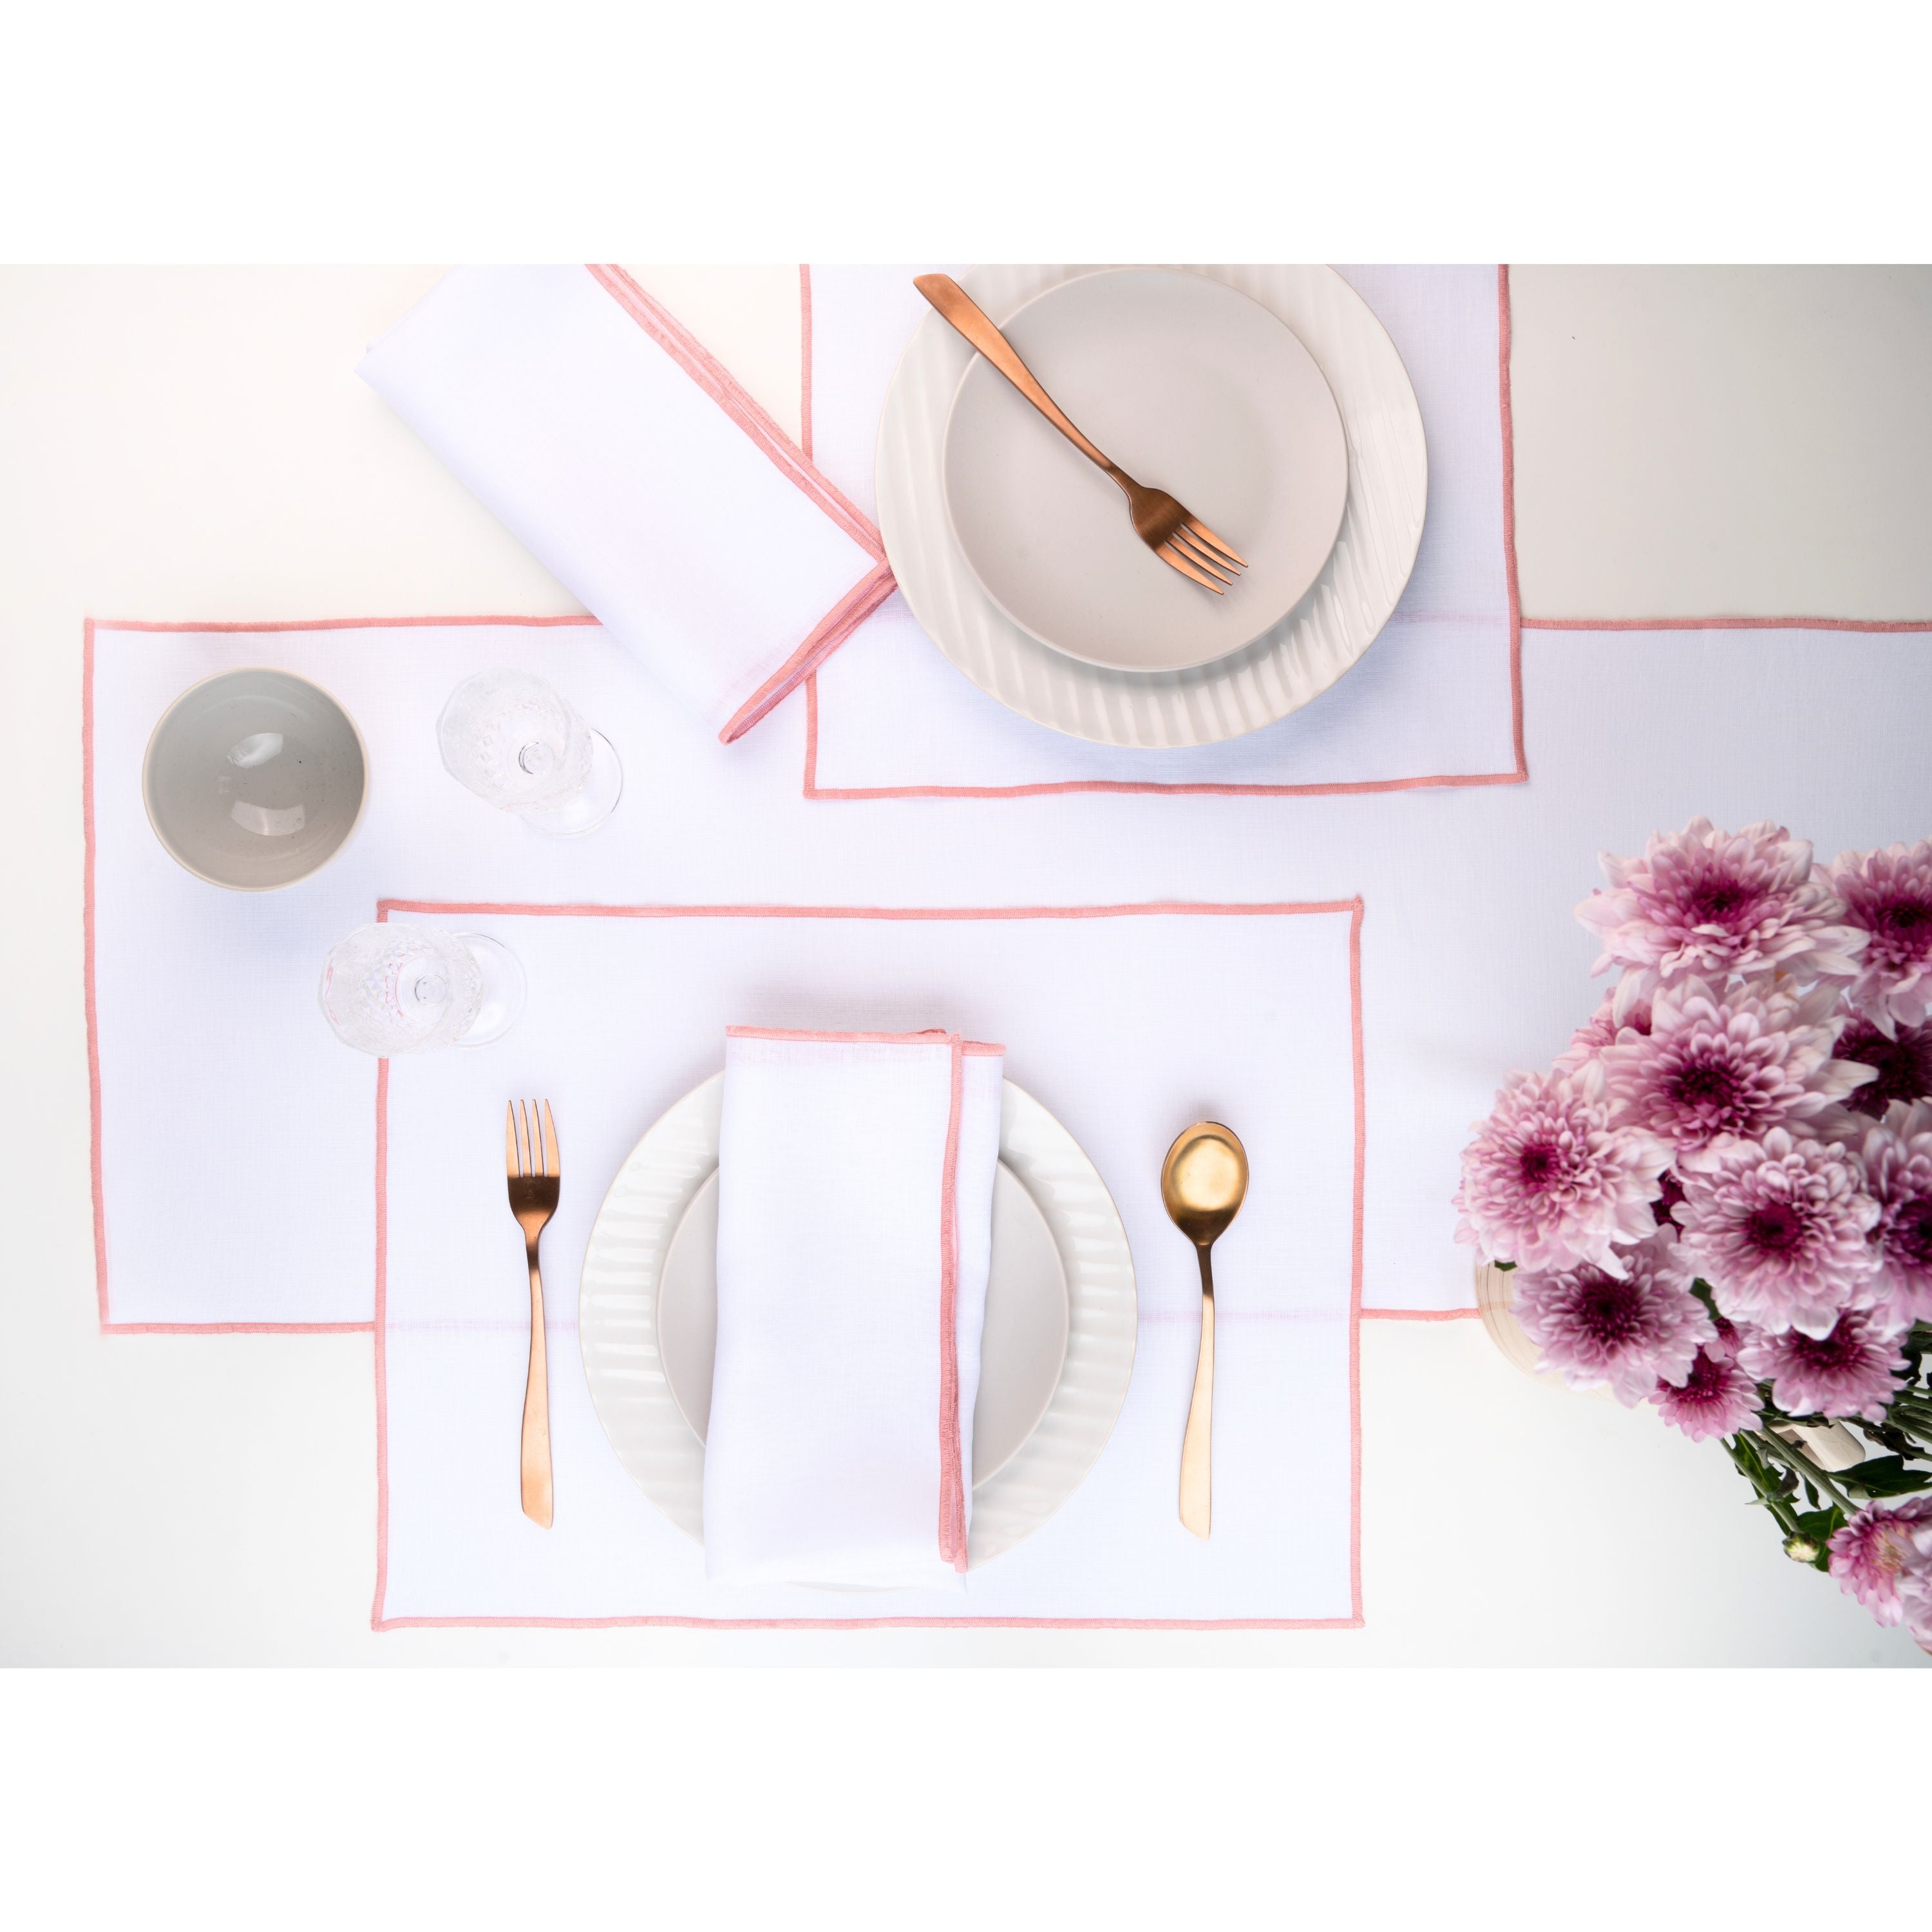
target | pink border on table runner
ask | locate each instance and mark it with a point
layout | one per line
(737, 402)
(1867, 624)
(483, 908)
(813, 790)
(108, 1325)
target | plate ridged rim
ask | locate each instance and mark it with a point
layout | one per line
(1306, 653)
(623, 1263)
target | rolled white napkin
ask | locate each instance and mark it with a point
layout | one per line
(638, 471)
(855, 1204)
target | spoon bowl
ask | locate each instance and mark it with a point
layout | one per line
(1203, 1181)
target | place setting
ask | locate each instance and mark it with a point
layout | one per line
(1356, 441)
(823, 1311)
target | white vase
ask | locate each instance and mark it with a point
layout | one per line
(1495, 1291)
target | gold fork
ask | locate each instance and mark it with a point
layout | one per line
(530, 1156)
(1167, 527)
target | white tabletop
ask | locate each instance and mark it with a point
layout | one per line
(193, 444)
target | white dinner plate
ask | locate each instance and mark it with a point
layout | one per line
(1192, 387)
(1061, 1318)
(1296, 660)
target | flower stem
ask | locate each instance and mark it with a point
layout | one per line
(1797, 1460)
(1786, 1516)
(1914, 1421)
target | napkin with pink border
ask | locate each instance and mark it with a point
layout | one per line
(855, 1202)
(615, 448)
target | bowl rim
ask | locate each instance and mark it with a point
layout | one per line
(161, 723)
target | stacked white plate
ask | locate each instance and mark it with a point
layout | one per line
(1270, 400)
(1062, 1318)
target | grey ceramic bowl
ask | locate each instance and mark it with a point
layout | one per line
(255, 778)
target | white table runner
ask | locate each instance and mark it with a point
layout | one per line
(1435, 701)
(205, 1035)
(1102, 1013)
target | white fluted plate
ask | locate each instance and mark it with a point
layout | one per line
(643, 1324)
(1296, 660)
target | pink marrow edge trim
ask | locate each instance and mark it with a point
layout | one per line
(837, 624)
(792, 460)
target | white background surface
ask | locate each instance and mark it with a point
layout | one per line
(193, 444)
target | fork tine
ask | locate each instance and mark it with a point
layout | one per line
(510, 1139)
(1195, 527)
(523, 1167)
(551, 1166)
(1197, 552)
(1168, 554)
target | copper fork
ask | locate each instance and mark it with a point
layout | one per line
(1166, 526)
(530, 1156)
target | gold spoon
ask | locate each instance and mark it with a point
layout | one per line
(1203, 1182)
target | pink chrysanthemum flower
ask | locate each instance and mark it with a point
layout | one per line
(1718, 1397)
(1600, 1030)
(1719, 1066)
(1549, 1182)
(1669, 1197)
(1897, 1157)
(1888, 898)
(1884, 1546)
(1631, 1333)
(1715, 903)
(1730, 1338)
(1854, 1370)
(1779, 1230)
(1915, 1591)
(1902, 1060)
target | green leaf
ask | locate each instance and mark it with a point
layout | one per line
(1892, 1438)
(1886, 1476)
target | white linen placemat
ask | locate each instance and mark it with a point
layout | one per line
(1100, 1010)
(1436, 700)
(614, 446)
(855, 1236)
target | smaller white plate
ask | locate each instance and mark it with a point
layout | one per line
(1192, 387)
(1065, 1321)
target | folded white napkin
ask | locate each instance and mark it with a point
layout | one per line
(638, 471)
(855, 1202)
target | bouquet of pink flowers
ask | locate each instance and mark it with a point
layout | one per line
(1719, 1200)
